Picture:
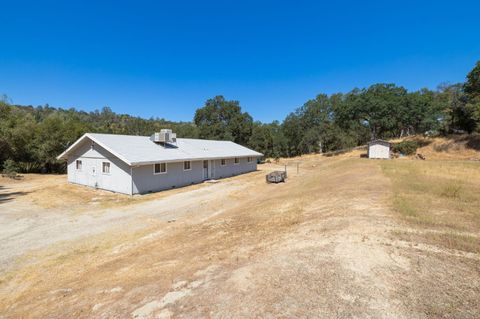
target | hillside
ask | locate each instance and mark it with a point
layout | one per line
(453, 147)
(465, 147)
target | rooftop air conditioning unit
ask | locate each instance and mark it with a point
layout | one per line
(164, 136)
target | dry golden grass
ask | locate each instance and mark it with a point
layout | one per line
(324, 242)
(451, 148)
(267, 213)
(55, 193)
(439, 195)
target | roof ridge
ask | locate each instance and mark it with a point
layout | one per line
(139, 150)
(178, 138)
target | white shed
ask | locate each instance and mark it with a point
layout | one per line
(379, 149)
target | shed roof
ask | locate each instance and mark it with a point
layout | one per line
(378, 141)
(140, 150)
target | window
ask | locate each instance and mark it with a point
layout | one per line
(237, 160)
(78, 165)
(187, 166)
(105, 167)
(249, 159)
(223, 162)
(160, 168)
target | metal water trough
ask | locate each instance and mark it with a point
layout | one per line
(276, 177)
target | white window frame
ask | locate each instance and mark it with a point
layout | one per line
(223, 162)
(159, 173)
(236, 161)
(189, 166)
(249, 159)
(109, 166)
(76, 165)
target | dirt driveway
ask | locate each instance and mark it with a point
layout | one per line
(323, 244)
(25, 225)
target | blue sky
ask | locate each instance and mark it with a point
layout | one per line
(164, 59)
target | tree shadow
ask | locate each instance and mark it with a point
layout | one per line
(422, 142)
(473, 142)
(6, 195)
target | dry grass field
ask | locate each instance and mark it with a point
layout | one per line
(345, 237)
(441, 199)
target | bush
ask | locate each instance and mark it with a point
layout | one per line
(29, 167)
(406, 147)
(10, 168)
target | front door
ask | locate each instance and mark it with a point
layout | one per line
(205, 170)
(93, 176)
(212, 169)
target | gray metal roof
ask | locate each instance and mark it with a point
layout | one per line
(379, 141)
(140, 150)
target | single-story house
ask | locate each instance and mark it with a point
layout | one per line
(142, 164)
(379, 149)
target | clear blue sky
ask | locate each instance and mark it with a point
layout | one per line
(165, 59)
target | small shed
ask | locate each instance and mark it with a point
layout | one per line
(379, 149)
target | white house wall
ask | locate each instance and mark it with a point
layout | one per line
(231, 169)
(118, 180)
(145, 181)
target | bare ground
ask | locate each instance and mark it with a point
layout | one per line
(328, 243)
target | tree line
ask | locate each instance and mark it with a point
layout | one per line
(32, 137)
(343, 120)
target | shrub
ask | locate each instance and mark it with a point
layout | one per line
(29, 167)
(10, 168)
(406, 147)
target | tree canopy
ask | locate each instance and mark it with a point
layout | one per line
(32, 137)
(220, 119)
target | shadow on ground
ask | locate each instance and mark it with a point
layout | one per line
(6, 195)
(471, 141)
(474, 142)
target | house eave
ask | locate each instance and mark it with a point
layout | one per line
(64, 155)
(190, 159)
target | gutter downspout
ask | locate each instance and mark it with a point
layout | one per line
(131, 181)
